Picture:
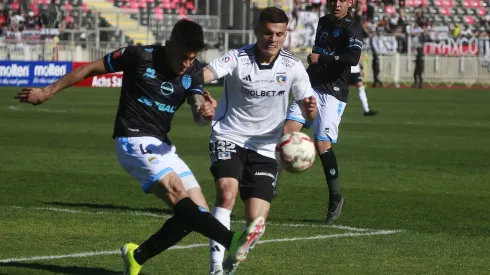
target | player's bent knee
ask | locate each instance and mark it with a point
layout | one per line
(323, 145)
(169, 188)
(226, 192)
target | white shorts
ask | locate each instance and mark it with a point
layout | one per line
(148, 159)
(327, 121)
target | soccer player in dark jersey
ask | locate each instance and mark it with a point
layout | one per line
(157, 81)
(338, 46)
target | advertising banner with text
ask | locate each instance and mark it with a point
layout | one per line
(32, 73)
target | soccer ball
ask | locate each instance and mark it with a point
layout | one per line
(295, 152)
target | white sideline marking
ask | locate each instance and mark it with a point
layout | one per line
(115, 252)
(135, 213)
(19, 108)
(15, 108)
(139, 213)
(51, 111)
(321, 226)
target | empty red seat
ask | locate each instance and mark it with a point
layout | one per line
(448, 3)
(389, 9)
(67, 7)
(445, 11)
(158, 13)
(476, 3)
(190, 5)
(469, 20)
(482, 11)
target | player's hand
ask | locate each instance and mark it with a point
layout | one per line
(313, 58)
(209, 98)
(207, 110)
(34, 96)
(309, 104)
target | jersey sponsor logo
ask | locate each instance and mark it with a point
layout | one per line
(133, 130)
(287, 62)
(186, 81)
(166, 88)
(150, 50)
(262, 93)
(150, 73)
(281, 79)
(245, 61)
(326, 131)
(247, 78)
(226, 59)
(336, 32)
(224, 155)
(118, 53)
(266, 174)
(320, 50)
(153, 160)
(160, 106)
(324, 36)
(336, 89)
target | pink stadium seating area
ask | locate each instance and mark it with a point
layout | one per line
(157, 7)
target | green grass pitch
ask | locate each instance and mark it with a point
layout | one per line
(416, 179)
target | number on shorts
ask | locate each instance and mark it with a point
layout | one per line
(221, 149)
(225, 146)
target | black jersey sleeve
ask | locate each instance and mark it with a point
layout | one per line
(353, 51)
(197, 79)
(121, 59)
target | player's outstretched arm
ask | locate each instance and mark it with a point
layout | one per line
(36, 96)
(203, 108)
(208, 75)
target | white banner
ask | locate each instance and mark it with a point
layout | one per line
(302, 30)
(384, 45)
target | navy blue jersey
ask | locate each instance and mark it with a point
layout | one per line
(339, 44)
(151, 92)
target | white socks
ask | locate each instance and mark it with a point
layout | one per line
(363, 98)
(217, 251)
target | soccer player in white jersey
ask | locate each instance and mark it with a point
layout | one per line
(249, 120)
(356, 78)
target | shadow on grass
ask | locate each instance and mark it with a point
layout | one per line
(57, 269)
(160, 211)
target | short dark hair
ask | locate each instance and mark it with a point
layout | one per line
(273, 15)
(188, 34)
